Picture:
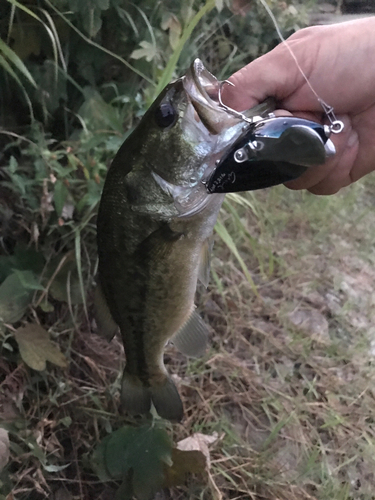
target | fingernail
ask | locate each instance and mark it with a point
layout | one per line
(353, 139)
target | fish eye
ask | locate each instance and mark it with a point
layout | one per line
(165, 115)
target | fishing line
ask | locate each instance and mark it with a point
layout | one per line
(336, 125)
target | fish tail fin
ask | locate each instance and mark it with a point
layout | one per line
(166, 400)
(135, 396)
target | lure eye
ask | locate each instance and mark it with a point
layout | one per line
(165, 115)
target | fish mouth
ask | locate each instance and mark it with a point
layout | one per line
(201, 84)
(203, 89)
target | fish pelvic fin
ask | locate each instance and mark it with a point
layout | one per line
(167, 401)
(136, 397)
(107, 328)
(192, 338)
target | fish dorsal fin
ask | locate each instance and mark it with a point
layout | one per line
(191, 339)
(107, 328)
(205, 261)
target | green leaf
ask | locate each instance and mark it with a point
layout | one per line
(219, 5)
(13, 165)
(172, 63)
(36, 348)
(14, 297)
(29, 280)
(171, 23)
(97, 113)
(90, 11)
(60, 194)
(23, 259)
(8, 53)
(65, 286)
(138, 455)
(148, 51)
(92, 197)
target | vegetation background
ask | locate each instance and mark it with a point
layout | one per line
(282, 406)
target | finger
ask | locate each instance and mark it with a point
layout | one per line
(277, 74)
(344, 143)
(262, 78)
(340, 176)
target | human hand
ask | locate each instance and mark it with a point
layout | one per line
(338, 62)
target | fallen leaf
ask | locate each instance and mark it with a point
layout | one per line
(14, 297)
(4, 448)
(184, 463)
(36, 348)
(198, 442)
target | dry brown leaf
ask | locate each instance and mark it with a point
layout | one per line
(171, 23)
(36, 348)
(199, 442)
(184, 463)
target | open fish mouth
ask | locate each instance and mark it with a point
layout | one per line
(201, 85)
(203, 89)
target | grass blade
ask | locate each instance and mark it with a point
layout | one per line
(171, 66)
(228, 240)
(94, 44)
(77, 242)
(56, 41)
(16, 61)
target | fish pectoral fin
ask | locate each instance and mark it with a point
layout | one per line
(192, 338)
(158, 244)
(107, 327)
(205, 261)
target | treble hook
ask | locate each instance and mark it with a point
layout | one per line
(227, 108)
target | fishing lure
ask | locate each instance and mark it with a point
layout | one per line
(272, 150)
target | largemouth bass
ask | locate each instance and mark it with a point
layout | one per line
(155, 225)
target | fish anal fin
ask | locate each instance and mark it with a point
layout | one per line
(107, 328)
(205, 261)
(167, 401)
(192, 338)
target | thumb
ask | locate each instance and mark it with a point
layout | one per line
(275, 74)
